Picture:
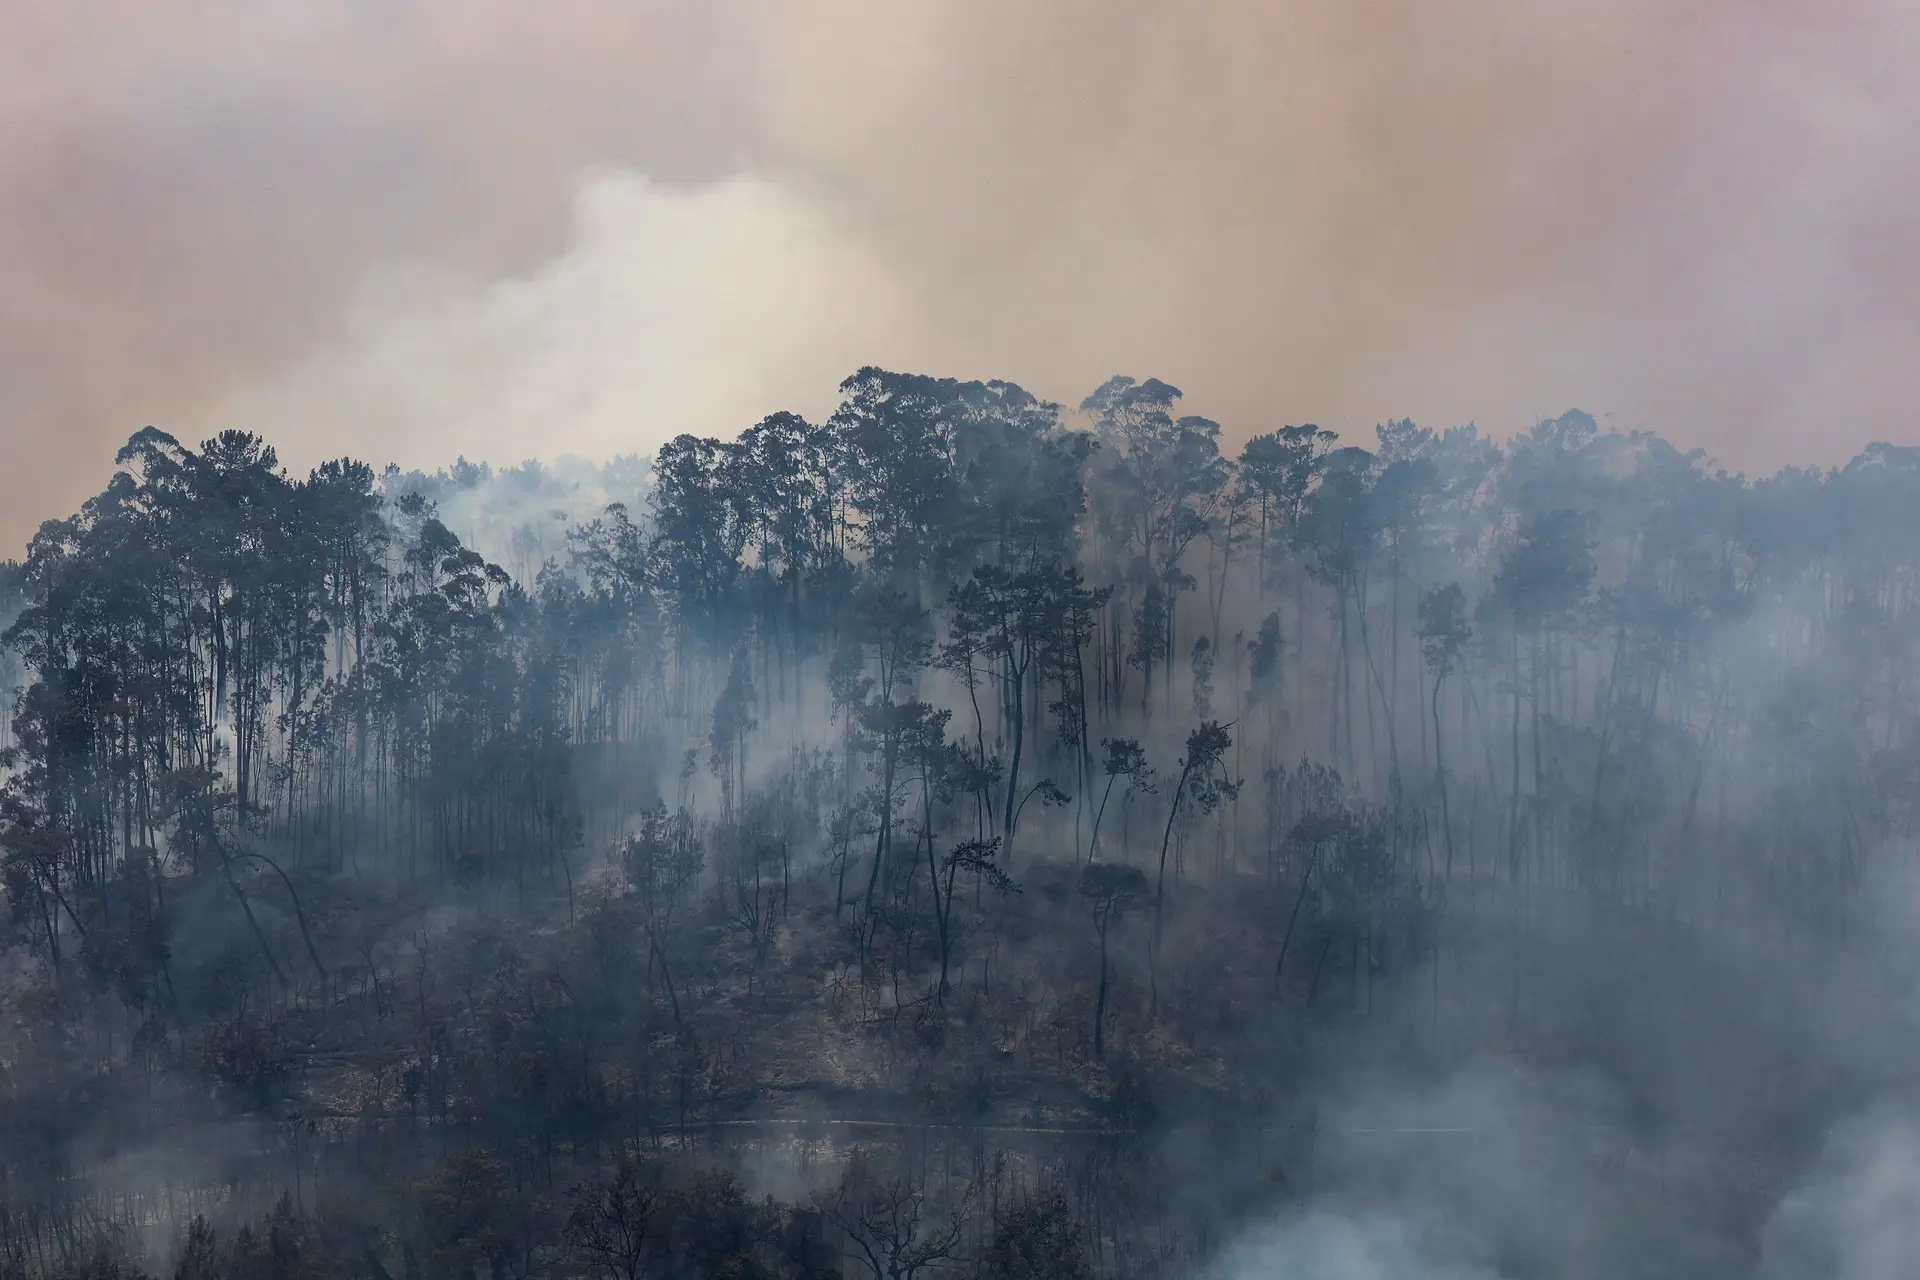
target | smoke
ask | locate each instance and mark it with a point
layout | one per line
(1368, 1246)
(1853, 1218)
(1850, 1214)
(354, 223)
(1489, 1170)
(693, 309)
(1502, 1169)
(1487, 1174)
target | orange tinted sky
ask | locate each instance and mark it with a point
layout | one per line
(408, 229)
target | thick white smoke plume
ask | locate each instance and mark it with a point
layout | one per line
(672, 309)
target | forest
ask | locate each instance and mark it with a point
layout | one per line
(970, 836)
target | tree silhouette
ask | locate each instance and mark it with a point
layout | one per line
(1111, 888)
(1204, 783)
(1444, 633)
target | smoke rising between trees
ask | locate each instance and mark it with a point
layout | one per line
(958, 766)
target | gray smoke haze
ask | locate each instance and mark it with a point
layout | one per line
(1853, 1217)
(417, 228)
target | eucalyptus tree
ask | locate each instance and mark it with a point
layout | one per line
(343, 504)
(1015, 621)
(13, 599)
(1444, 633)
(895, 640)
(786, 492)
(1203, 782)
(975, 857)
(1125, 758)
(1111, 889)
(1152, 623)
(1278, 470)
(614, 624)
(1542, 579)
(659, 862)
(1159, 482)
(1071, 625)
(1265, 690)
(1336, 539)
(732, 722)
(899, 433)
(896, 735)
(1021, 477)
(699, 535)
(785, 481)
(1315, 832)
(1405, 495)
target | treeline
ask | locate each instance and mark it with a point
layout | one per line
(844, 698)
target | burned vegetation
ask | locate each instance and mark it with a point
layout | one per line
(962, 838)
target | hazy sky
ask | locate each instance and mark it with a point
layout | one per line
(408, 229)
